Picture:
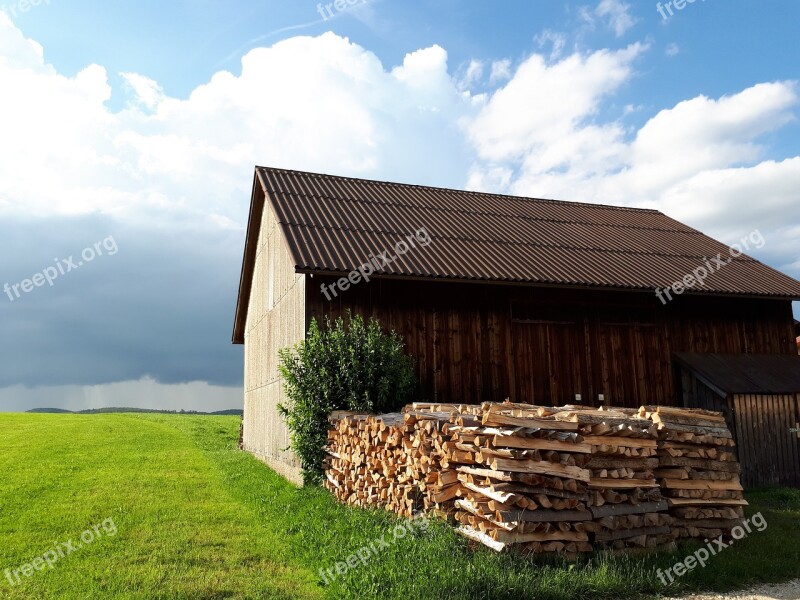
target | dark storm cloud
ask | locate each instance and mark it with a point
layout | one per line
(161, 306)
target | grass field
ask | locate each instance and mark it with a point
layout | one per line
(195, 518)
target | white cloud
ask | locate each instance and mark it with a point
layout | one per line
(673, 49)
(501, 71)
(529, 118)
(541, 125)
(15, 50)
(557, 41)
(735, 200)
(705, 134)
(148, 93)
(700, 161)
(335, 108)
(617, 15)
(472, 74)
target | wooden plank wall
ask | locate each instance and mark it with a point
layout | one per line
(768, 450)
(275, 320)
(478, 342)
(693, 393)
(461, 345)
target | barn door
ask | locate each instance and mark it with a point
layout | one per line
(633, 366)
(548, 360)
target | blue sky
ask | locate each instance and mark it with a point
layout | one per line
(137, 121)
(725, 45)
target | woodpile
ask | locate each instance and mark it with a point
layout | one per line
(523, 480)
(564, 480)
(392, 460)
(624, 496)
(698, 471)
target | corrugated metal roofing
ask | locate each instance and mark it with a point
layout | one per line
(746, 373)
(334, 224)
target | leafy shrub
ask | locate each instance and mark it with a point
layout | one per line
(353, 366)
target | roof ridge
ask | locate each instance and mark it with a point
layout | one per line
(471, 192)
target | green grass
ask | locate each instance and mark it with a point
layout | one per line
(196, 518)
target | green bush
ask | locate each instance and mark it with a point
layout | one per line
(353, 366)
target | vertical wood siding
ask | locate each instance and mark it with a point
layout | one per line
(476, 343)
(768, 448)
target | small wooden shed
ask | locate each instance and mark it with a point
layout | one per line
(760, 396)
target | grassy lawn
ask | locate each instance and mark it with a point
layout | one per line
(195, 518)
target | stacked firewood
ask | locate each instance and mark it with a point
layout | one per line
(624, 497)
(544, 480)
(392, 460)
(523, 480)
(698, 470)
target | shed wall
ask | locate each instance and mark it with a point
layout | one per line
(768, 448)
(476, 342)
(764, 427)
(275, 320)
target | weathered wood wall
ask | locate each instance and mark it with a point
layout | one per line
(768, 448)
(762, 425)
(275, 320)
(479, 342)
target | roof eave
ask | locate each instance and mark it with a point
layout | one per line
(248, 260)
(542, 284)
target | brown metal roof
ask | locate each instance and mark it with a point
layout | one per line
(746, 373)
(333, 224)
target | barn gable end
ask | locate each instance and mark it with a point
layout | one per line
(275, 319)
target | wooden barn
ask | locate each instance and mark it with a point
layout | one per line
(540, 301)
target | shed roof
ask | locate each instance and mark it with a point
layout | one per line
(746, 373)
(334, 224)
